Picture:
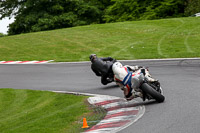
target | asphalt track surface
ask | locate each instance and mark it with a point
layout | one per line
(180, 79)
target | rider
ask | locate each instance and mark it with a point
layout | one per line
(102, 67)
(123, 78)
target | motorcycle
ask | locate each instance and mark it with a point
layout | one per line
(149, 89)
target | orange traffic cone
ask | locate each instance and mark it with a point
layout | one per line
(85, 123)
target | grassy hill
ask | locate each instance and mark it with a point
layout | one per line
(165, 38)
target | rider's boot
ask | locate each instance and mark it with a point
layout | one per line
(141, 95)
(134, 95)
(137, 94)
(149, 77)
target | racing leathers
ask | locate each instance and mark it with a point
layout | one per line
(103, 67)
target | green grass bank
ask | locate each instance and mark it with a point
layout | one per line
(164, 38)
(28, 111)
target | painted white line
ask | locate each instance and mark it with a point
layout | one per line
(75, 93)
(13, 62)
(116, 119)
(111, 105)
(104, 130)
(25, 62)
(120, 110)
(99, 99)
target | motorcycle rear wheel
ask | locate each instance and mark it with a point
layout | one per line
(153, 93)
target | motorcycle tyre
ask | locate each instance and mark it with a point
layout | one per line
(149, 90)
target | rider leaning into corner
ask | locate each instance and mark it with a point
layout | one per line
(102, 67)
(123, 78)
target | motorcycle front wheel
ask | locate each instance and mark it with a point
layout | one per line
(152, 92)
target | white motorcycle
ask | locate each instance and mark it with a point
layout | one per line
(149, 89)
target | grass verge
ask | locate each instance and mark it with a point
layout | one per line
(23, 111)
(164, 38)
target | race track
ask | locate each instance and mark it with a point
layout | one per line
(179, 78)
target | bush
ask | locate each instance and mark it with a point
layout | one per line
(192, 7)
(2, 35)
(48, 15)
(123, 10)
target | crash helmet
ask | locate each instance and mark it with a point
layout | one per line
(92, 57)
(119, 71)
